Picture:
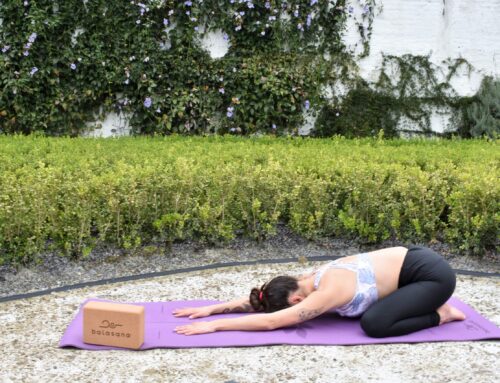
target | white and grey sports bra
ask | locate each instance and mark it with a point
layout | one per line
(366, 289)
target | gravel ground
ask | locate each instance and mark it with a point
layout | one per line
(31, 328)
(55, 270)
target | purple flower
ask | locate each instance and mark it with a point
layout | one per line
(366, 9)
(221, 90)
(267, 4)
(33, 70)
(274, 126)
(196, 28)
(158, 110)
(296, 13)
(307, 104)
(225, 36)
(188, 3)
(5, 48)
(230, 110)
(73, 66)
(300, 26)
(308, 21)
(26, 53)
(250, 5)
(165, 22)
(147, 102)
(32, 37)
(313, 2)
(350, 9)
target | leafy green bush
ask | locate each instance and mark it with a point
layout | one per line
(474, 218)
(484, 112)
(362, 113)
(72, 195)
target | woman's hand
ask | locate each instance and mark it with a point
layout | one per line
(193, 312)
(195, 328)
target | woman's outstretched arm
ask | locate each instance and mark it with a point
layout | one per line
(315, 304)
(240, 305)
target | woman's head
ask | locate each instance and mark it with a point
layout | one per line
(273, 296)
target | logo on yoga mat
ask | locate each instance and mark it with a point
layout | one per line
(471, 325)
(107, 324)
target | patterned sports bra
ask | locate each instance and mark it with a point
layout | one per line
(366, 289)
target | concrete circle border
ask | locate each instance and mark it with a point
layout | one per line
(197, 268)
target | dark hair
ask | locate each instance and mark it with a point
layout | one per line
(274, 294)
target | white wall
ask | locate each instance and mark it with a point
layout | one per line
(445, 29)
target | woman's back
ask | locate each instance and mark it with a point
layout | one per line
(379, 268)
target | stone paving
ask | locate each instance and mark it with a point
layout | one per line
(31, 329)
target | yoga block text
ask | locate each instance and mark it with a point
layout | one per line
(113, 324)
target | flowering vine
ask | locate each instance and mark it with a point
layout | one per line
(145, 58)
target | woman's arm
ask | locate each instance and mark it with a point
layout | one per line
(315, 304)
(235, 306)
(241, 305)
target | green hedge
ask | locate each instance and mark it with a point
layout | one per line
(75, 194)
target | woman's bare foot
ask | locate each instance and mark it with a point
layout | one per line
(449, 313)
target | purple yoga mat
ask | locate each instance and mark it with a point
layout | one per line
(328, 329)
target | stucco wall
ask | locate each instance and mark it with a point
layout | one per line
(443, 28)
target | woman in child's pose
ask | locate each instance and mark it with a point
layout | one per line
(395, 291)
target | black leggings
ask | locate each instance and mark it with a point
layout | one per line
(426, 282)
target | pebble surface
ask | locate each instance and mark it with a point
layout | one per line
(31, 328)
(54, 270)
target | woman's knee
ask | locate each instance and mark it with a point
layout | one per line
(447, 280)
(374, 325)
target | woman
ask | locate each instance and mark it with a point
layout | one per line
(396, 291)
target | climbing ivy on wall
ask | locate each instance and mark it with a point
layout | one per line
(64, 63)
(408, 90)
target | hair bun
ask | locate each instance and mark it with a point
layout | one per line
(254, 299)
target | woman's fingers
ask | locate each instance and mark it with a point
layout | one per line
(195, 328)
(192, 312)
(185, 330)
(182, 312)
(182, 330)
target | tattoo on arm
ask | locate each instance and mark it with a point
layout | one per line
(308, 314)
(244, 308)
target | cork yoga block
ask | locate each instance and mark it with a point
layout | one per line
(113, 324)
